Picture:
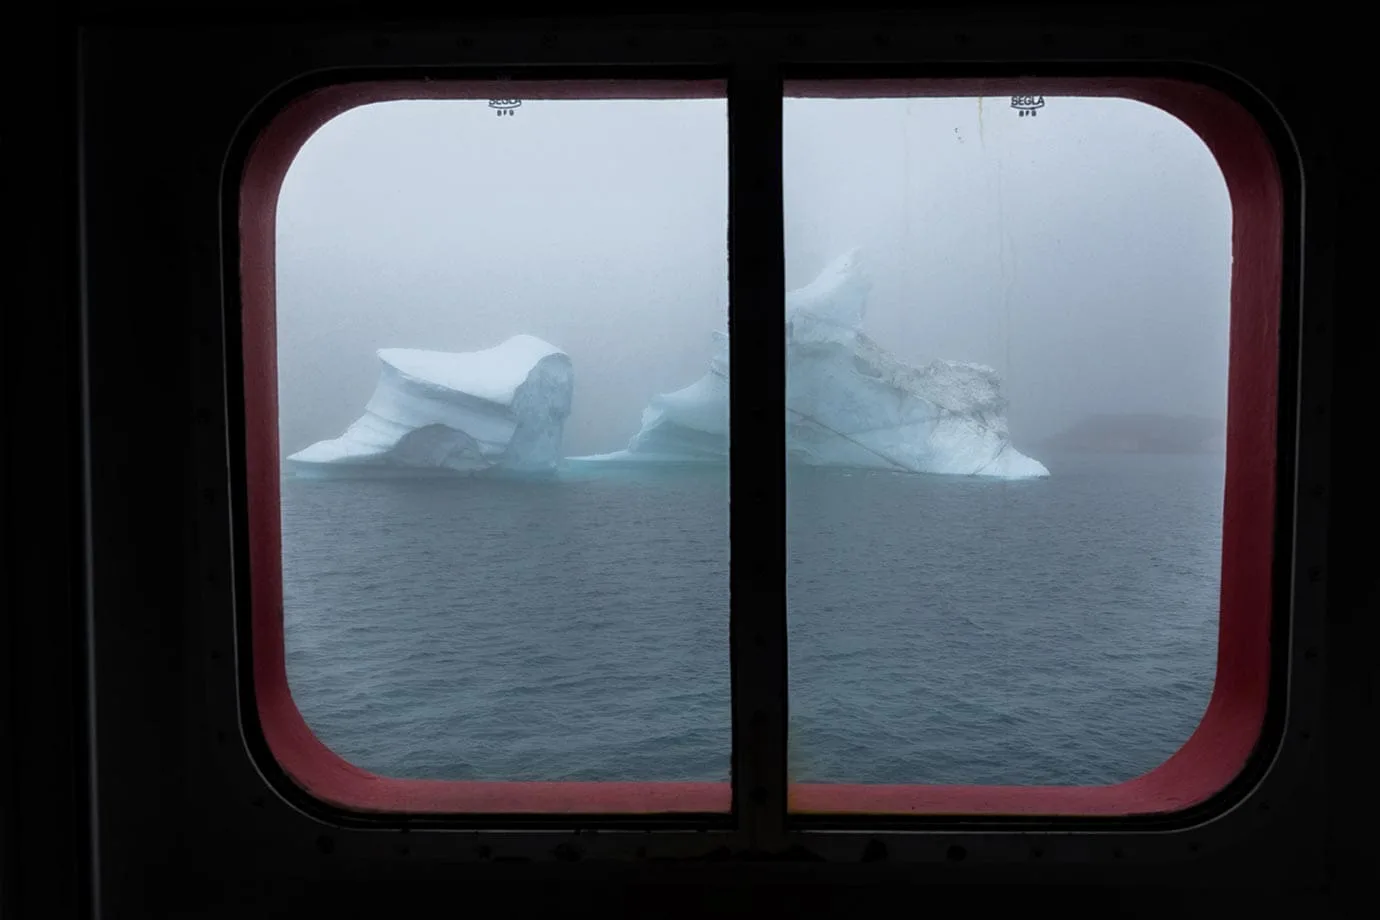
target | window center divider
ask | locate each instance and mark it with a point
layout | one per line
(757, 452)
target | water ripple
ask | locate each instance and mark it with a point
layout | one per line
(942, 630)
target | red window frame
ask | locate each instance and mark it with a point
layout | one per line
(1214, 754)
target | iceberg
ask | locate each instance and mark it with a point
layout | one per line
(502, 409)
(849, 402)
(687, 426)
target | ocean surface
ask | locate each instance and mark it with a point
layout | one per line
(942, 629)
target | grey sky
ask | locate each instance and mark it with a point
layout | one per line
(1084, 253)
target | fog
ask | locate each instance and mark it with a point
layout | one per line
(1083, 252)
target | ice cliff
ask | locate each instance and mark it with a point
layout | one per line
(849, 402)
(501, 409)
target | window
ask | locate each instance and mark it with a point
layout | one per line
(1007, 446)
(488, 577)
(682, 435)
(967, 688)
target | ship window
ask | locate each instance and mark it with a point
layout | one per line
(1005, 506)
(1030, 347)
(477, 342)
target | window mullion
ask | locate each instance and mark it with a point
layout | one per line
(757, 452)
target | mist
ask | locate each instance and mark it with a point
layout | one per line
(1084, 253)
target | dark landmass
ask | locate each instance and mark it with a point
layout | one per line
(1142, 434)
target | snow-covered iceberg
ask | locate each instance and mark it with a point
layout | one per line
(502, 410)
(849, 402)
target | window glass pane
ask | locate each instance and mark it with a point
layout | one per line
(478, 303)
(1007, 377)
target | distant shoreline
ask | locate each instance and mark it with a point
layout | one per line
(1140, 434)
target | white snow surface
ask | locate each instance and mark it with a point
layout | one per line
(501, 408)
(493, 374)
(849, 402)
